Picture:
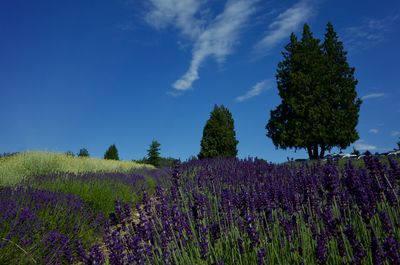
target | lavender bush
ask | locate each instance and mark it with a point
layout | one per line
(229, 211)
(38, 226)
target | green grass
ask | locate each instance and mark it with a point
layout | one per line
(20, 167)
(100, 194)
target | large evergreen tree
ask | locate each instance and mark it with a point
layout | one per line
(319, 108)
(112, 153)
(219, 137)
(153, 154)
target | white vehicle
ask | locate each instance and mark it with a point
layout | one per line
(347, 156)
(394, 153)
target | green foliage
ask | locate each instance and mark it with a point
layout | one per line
(153, 154)
(111, 153)
(319, 108)
(219, 137)
(83, 152)
(163, 162)
(398, 144)
(70, 153)
(167, 161)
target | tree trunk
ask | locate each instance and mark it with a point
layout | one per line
(322, 154)
(310, 154)
(315, 153)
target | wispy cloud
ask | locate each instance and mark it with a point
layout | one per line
(217, 40)
(285, 23)
(372, 95)
(211, 36)
(256, 90)
(375, 131)
(126, 26)
(360, 145)
(394, 133)
(369, 33)
(177, 13)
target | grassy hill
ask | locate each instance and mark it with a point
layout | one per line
(19, 167)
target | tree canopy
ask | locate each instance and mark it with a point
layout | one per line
(112, 153)
(153, 154)
(219, 137)
(83, 152)
(319, 107)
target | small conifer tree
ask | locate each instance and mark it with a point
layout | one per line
(112, 153)
(153, 154)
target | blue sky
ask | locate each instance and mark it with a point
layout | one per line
(89, 74)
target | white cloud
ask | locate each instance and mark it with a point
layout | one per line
(256, 90)
(211, 36)
(178, 13)
(218, 39)
(375, 131)
(372, 95)
(285, 23)
(394, 133)
(360, 145)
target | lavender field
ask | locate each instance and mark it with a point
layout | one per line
(217, 211)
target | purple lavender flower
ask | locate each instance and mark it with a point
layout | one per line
(321, 251)
(96, 256)
(360, 188)
(289, 225)
(392, 250)
(135, 250)
(80, 251)
(176, 173)
(331, 181)
(395, 171)
(120, 212)
(251, 230)
(377, 254)
(341, 247)
(359, 252)
(215, 231)
(386, 223)
(329, 221)
(57, 248)
(261, 254)
(25, 227)
(203, 241)
(240, 245)
(115, 246)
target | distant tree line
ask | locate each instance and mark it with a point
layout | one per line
(8, 154)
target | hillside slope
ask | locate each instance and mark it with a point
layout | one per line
(14, 169)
